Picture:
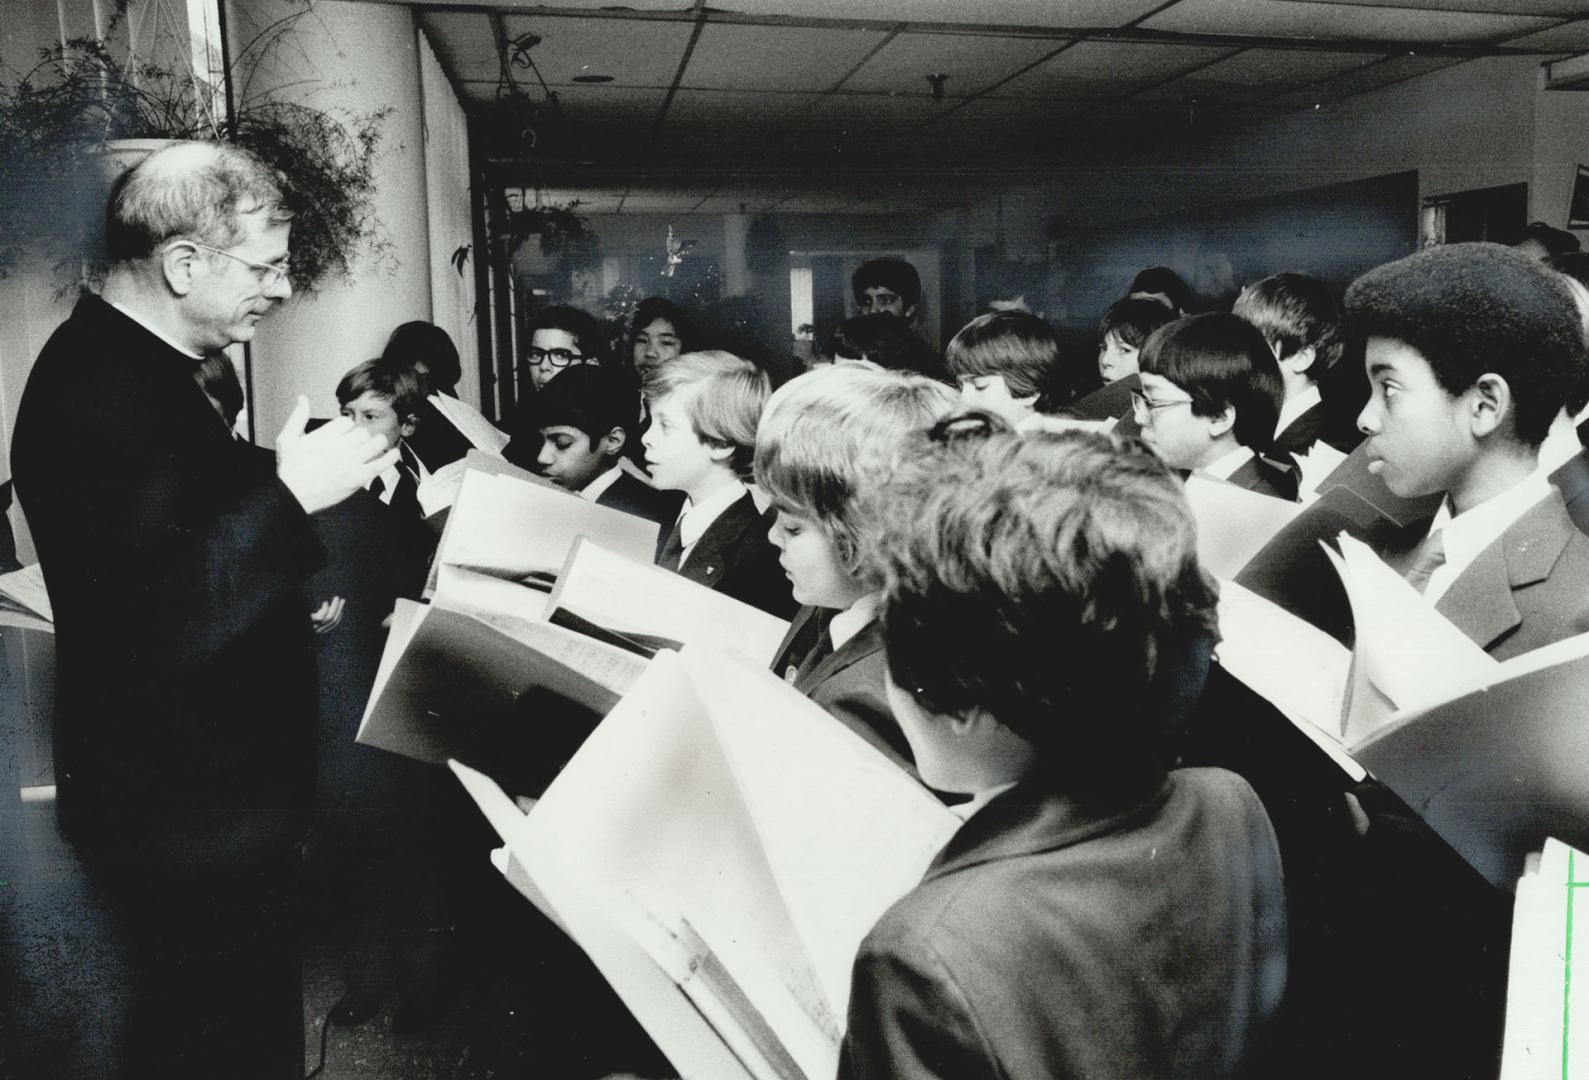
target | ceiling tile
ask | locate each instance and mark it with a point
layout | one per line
(1573, 37)
(1270, 67)
(1562, 9)
(1048, 13)
(1314, 19)
(1095, 68)
(1395, 69)
(972, 63)
(775, 57)
(634, 52)
(1257, 74)
(723, 112)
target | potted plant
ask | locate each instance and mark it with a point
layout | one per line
(84, 113)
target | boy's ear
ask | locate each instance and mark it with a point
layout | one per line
(1219, 425)
(1299, 362)
(409, 425)
(611, 444)
(1489, 404)
(718, 450)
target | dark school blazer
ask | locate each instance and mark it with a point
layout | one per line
(1047, 940)
(734, 557)
(848, 681)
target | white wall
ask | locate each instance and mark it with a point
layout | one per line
(447, 202)
(357, 57)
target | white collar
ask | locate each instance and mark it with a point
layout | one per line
(1561, 444)
(389, 479)
(1223, 467)
(696, 518)
(1294, 407)
(1467, 534)
(853, 619)
(598, 487)
(155, 330)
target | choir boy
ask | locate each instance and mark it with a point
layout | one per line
(383, 398)
(1098, 914)
(1300, 320)
(704, 410)
(887, 287)
(1125, 328)
(1471, 351)
(1210, 397)
(827, 438)
(1009, 362)
(586, 417)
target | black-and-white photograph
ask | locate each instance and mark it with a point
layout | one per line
(794, 540)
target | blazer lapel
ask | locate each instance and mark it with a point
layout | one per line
(789, 650)
(1481, 602)
(707, 560)
(867, 640)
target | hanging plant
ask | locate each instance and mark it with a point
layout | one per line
(60, 122)
(562, 230)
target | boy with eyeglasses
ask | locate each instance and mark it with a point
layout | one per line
(1210, 398)
(558, 337)
(887, 287)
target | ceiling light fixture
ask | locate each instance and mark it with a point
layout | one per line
(936, 82)
(593, 78)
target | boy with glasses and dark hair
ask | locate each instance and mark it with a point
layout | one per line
(559, 337)
(1210, 397)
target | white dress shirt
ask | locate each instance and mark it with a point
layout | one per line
(696, 518)
(1294, 407)
(598, 487)
(1467, 534)
(1224, 467)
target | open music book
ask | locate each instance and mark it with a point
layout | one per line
(1547, 986)
(645, 607)
(438, 491)
(24, 601)
(522, 529)
(1233, 523)
(457, 669)
(1487, 752)
(719, 846)
(448, 678)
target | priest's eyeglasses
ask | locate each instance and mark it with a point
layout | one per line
(268, 274)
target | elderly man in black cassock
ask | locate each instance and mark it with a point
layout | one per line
(185, 726)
